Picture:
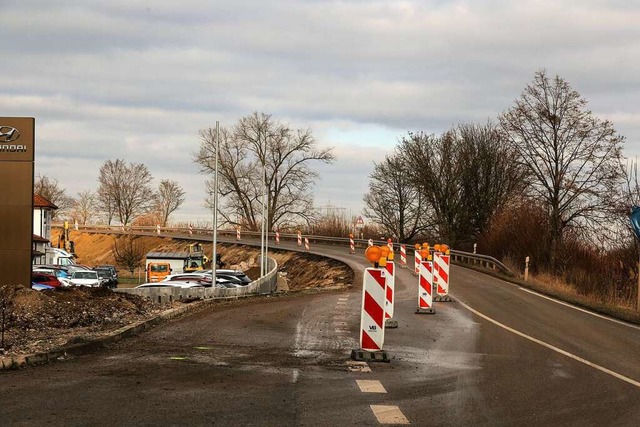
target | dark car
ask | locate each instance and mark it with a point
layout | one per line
(108, 272)
(45, 279)
(106, 280)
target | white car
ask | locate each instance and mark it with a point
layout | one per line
(85, 278)
(169, 284)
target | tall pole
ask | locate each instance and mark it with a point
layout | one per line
(214, 264)
(266, 211)
(262, 247)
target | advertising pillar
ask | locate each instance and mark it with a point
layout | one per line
(17, 148)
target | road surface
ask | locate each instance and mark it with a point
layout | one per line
(497, 355)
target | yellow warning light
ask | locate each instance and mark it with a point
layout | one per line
(424, 254)
(390, 255)
(425, 245)
(373, 254)
(417, 246)
(385, 251)
(436, 247)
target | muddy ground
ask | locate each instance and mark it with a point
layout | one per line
(37, 321)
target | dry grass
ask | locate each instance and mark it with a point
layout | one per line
(606, 303)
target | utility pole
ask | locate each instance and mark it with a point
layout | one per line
(214, 263)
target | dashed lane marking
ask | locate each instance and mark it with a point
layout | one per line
(371, 386)
(554, 348)
(389, 414)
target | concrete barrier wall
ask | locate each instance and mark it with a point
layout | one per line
(262, 286)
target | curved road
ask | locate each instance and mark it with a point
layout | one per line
(497, 355)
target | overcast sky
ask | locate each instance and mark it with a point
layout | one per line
(137, 80)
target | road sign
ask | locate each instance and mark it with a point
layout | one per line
(359, 222)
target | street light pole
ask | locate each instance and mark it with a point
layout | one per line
(214, 264)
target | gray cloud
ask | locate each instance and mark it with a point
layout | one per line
(111, 79)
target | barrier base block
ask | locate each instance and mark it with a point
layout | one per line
(370, 356)
(425, 311)
(390, 323)
(442, 298)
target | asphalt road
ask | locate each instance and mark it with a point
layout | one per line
(497, 355)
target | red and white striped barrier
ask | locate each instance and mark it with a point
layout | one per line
(390, 294)
(158, 228)
(372, 315)
(417, 261)
(190, 229)
(390, 244)
(370, 242)
(425, 289)
(403, 256)
(299, 239)
(277, 237)
(352, 246)
(238, 235)
(441, 273)
(306, 243)
(76, 225)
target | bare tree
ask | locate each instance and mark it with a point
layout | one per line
(393, 201)
(129, 252)
(124, 189)
(464, 175)
(84, 207)
(260, 149)
(169, 198)
(573, 158)
(50, 189)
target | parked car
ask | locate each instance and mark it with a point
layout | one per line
(107, 276)
(171, 284)
(85, 278)
(234, 276)
(40, 287)
(57, 270)
(113, 271)
(45, 279)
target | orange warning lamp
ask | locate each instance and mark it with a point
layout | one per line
(351, 235)
(436, 247)
(373, 254)
(417, 246)
(425, 254)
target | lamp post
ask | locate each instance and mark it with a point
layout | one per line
(264, 250)
(214, 264)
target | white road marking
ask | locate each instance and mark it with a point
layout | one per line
(388, 414)
(355, 366)
(341, 303)
(343, 299)
(371, 386)
(579, 309)
(296, 374)
(554, 348)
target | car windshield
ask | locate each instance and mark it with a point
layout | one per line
(85, 275)
(159, 268)
(103, 273)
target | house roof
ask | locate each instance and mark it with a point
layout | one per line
(41, 202)
(37, 238)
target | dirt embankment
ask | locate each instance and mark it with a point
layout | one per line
(303, 271)
(39, 321)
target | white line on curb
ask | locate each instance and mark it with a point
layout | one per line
(554, 348)
(579, 309)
